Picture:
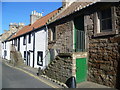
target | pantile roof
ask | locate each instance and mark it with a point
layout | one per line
(39, 23)
(74, 7)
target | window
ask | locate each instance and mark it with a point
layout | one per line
(53, 34)
(29, 40)
(15, 42)
(12, 42)
(24, 40)
(40, 58)
(24, 55)
(5, 45)
(104, 22)
(5, 53)
(79, 34)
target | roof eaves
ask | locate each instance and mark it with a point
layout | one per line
(71, 13)
(35, 28)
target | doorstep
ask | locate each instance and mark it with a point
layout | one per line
(88, 84)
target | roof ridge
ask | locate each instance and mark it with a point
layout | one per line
(38, 23)
(46, 15)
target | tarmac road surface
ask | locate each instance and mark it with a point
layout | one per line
(13, 78)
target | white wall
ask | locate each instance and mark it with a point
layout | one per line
(40, 45)
(7, 49)
(22, 47)
(0, 49)
(30, 48)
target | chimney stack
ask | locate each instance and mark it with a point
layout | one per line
(13, 27)
(34, 16)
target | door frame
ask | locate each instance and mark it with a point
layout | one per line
(75, 34)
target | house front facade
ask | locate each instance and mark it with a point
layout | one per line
(89, 33)
(31, 41)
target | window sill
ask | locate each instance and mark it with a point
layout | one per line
(108, 33)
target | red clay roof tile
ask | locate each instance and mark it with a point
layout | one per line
(39, 23)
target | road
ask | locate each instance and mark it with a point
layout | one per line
(13, 78)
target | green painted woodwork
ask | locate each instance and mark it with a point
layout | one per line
(81, 69)
(79, 34)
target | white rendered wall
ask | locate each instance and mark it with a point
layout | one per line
(40, 45)
(8, 48)
(22, 47)
(30, 48)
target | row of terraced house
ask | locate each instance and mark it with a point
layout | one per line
(80, 39)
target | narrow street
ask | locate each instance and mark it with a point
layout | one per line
(12, 78)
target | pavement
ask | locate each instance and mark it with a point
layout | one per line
(47, 80)
(88, 84)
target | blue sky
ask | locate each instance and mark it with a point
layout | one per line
(15, 12)
(0, 17)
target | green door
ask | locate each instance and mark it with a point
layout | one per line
(81, 70)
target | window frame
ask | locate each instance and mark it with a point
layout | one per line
(24, 40)
(25, 55)
(40, 54)
(108, 18)
(29, 38)
(97, 29)
(5, 45)
(15, 41)
(5, 53)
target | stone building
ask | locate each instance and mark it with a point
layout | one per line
(5, 44)
(13, 27)
(84, 41)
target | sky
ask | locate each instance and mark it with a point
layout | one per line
(0, 17)
(15, 12)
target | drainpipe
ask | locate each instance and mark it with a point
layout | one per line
(46, 46)
(33, 46)
(26, 50)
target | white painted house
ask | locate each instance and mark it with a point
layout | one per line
(31, 40)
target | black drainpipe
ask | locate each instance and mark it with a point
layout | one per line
(33, 46)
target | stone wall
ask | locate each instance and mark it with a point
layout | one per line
(64, 38)
(60, 69)
(104, 55)
(118, 17)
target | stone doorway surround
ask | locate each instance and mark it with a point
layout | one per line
(77, 55)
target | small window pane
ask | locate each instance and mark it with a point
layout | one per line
(106, 13)
(106, 20)
(40, 58)
(24, 55)
(24, 40)
(29, 41)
